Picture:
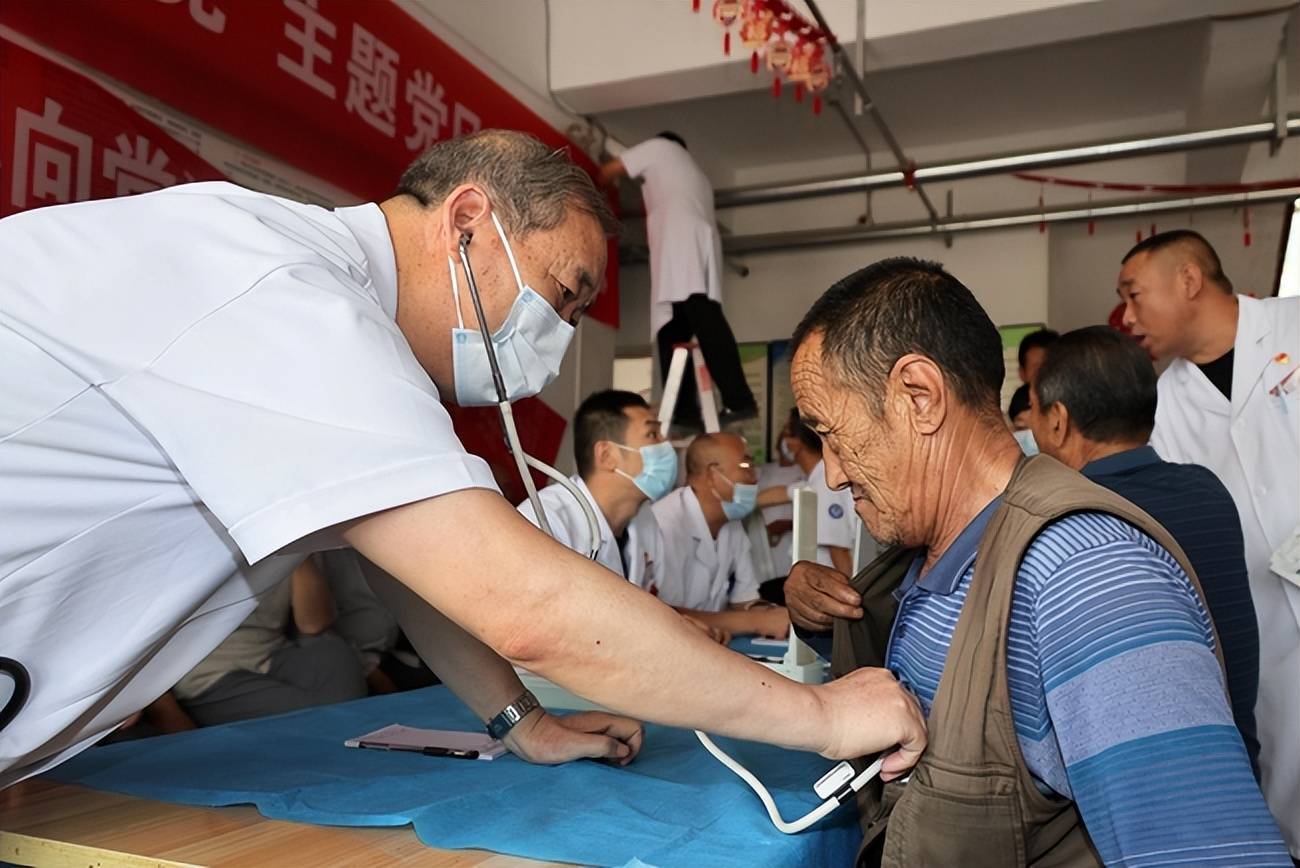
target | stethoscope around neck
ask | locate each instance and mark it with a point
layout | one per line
(15, 687)
(522, 459)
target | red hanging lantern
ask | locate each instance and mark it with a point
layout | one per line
(725, 12)
(695, 5)
(778, 54)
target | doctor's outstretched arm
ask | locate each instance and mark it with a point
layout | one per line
(477, 561)
(486, 682)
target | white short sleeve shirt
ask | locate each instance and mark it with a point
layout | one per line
(196, 379)
(642, 548)
(701, 572)
(837, 521)
(685, 249)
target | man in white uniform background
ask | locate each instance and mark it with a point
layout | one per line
(707, 560)
(202, 384)
(624, 464)
(1230, 401)
(685, 272)
(778, 518)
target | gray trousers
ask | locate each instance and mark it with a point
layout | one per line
(313, 670)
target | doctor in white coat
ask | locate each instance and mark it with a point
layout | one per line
(202, 384)
(1230, 401)
(624, 465)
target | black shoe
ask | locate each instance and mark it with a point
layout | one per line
(729, 418)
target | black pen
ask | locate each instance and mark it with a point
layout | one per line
(450, 753)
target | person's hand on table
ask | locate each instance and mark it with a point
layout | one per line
(549, 739)
(771, 622)
(717, 634)
(870, 711)
(816, 594)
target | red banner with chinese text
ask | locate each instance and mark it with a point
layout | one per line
(348, 90)
(64, 138)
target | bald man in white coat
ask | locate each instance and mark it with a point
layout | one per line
(1230, 401)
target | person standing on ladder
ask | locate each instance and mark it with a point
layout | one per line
(685, 272)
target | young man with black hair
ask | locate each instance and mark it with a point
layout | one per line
(624, 464)
(1230, 401)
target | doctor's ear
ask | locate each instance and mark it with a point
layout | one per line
(1191, 279)
(605, 455)
(466, 209)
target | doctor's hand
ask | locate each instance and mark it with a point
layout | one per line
(549, 739)
(770, 622)
(869, 712)
(817, 594)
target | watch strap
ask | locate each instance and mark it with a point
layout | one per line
(509, 716)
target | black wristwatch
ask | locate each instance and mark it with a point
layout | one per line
(500, 725)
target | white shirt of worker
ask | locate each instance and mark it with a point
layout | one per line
(773, 476)
(700, 572)
(1253, 445)
(685, 249)
(194, 380)
(837, 522)
(643, 548)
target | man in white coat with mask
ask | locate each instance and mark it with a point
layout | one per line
(1230, 401)
(624, 466)
(202, 384)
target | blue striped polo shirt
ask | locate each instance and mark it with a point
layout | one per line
(1116, 694)
(1191, 503)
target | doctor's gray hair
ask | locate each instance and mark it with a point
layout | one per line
(532, 186)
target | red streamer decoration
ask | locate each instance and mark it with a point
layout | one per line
(695, 5)
(1245, 223)
(776, 87)
(753, 63)
(798, 93)
(817, 104)
(726, 43)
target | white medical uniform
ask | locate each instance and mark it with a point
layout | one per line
(837, 522)
(194, 379)
(700, 572)
(775, 476)
(685, 249)
(1253, 445)
(644, 545)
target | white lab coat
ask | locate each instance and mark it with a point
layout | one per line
(1253, 445)
(685, 249)
(701, 572)
(644, 545)
(837, 521)
(773, 476)
(193, 382)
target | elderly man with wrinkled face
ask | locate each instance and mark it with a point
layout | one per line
(1054, 634)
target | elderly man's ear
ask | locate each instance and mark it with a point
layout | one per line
(919, 385)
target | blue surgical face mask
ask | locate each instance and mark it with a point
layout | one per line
(1026, 440)
(744, 496)
(658, 469)
(529, 345)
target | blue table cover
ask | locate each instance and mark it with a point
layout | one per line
(675, 805)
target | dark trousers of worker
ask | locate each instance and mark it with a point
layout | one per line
(313, 670)
(701, 318)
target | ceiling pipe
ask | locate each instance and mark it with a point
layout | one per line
(869, 105)
(763, 194)
(769, 242)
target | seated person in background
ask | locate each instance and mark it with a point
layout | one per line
(1053, 633)
(1094, 408)
(837, 525)
(387, 660)
(777, 518)
(280, 659)
(707, 565)
(1033, 349)
(1018, 416)
(623, 464)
